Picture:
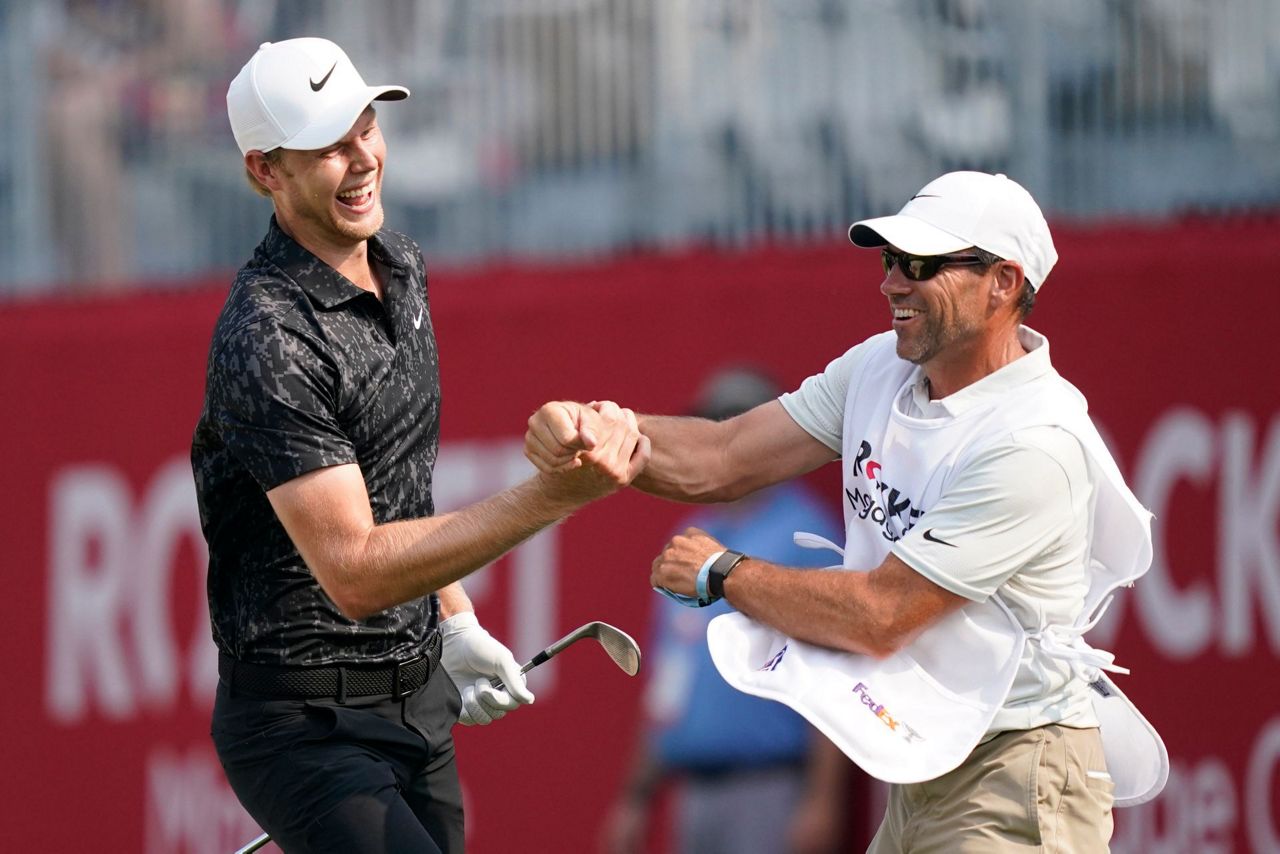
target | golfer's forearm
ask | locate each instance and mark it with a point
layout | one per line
(401, 561)
(453, 600)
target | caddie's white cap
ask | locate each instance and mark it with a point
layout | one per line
(300, 93)
(963, 209)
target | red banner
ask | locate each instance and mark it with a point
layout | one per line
(106, 636)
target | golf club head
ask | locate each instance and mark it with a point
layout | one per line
(620, 646)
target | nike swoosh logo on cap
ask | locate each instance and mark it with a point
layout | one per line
(316, 87)
(924, 196)
(928, 535)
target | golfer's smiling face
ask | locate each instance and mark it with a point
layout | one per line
(333, 195)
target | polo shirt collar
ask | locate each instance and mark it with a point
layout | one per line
(321, 282)
(1032, 366)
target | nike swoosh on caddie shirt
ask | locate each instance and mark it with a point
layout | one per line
(928, 535)
(417, 321)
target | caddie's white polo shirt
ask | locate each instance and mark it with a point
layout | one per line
(1018, 515)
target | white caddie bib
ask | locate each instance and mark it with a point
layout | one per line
(918, 713)
(903, 719)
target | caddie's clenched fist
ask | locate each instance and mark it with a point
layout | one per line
(676, 567)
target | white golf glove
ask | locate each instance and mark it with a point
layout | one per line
(471, 656)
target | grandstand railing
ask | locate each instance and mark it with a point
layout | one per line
(567, 127)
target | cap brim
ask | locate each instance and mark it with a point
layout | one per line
(906, 233)
(339, 120)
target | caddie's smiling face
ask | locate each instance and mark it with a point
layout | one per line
(940, 315)
(334, 195)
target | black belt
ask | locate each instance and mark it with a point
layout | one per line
(397, 679)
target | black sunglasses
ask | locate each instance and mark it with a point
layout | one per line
(918, 268)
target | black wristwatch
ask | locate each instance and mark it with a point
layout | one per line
(720, 570)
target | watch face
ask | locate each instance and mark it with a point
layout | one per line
(720, 571)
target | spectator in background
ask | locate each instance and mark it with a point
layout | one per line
(732, 754)
(118, 71)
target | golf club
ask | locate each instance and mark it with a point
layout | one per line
(620, 646)
(255, 844)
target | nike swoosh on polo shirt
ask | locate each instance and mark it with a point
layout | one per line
(928, 535)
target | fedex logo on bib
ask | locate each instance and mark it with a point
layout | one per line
(888, 720)
(881, 503)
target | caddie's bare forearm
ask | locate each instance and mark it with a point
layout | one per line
(875, 613)
(365, 567)
(707, 461)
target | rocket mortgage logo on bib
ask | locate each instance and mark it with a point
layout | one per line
(896, 515)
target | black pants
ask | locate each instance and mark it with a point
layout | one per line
(371, 775)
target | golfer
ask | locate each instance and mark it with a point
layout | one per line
(333, 591)
(984, 514)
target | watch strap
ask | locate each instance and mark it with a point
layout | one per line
(719, 571)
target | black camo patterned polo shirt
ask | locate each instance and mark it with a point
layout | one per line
(306, 370)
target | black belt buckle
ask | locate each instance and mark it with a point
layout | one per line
(396, 685)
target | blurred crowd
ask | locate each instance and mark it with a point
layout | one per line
(120, 76)
(588, 126)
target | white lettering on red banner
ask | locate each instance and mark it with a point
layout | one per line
(1263, 824)
(190, 807)
(110, 640)
(1202, 805)
(1184, 445)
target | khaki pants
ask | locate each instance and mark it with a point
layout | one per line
(1023, 791)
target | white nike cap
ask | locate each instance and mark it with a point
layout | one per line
(300, 93)
(963, 209)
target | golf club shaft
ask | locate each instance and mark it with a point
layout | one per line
(540, 658)
(255, 844)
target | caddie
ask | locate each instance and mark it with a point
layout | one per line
(986, 524)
